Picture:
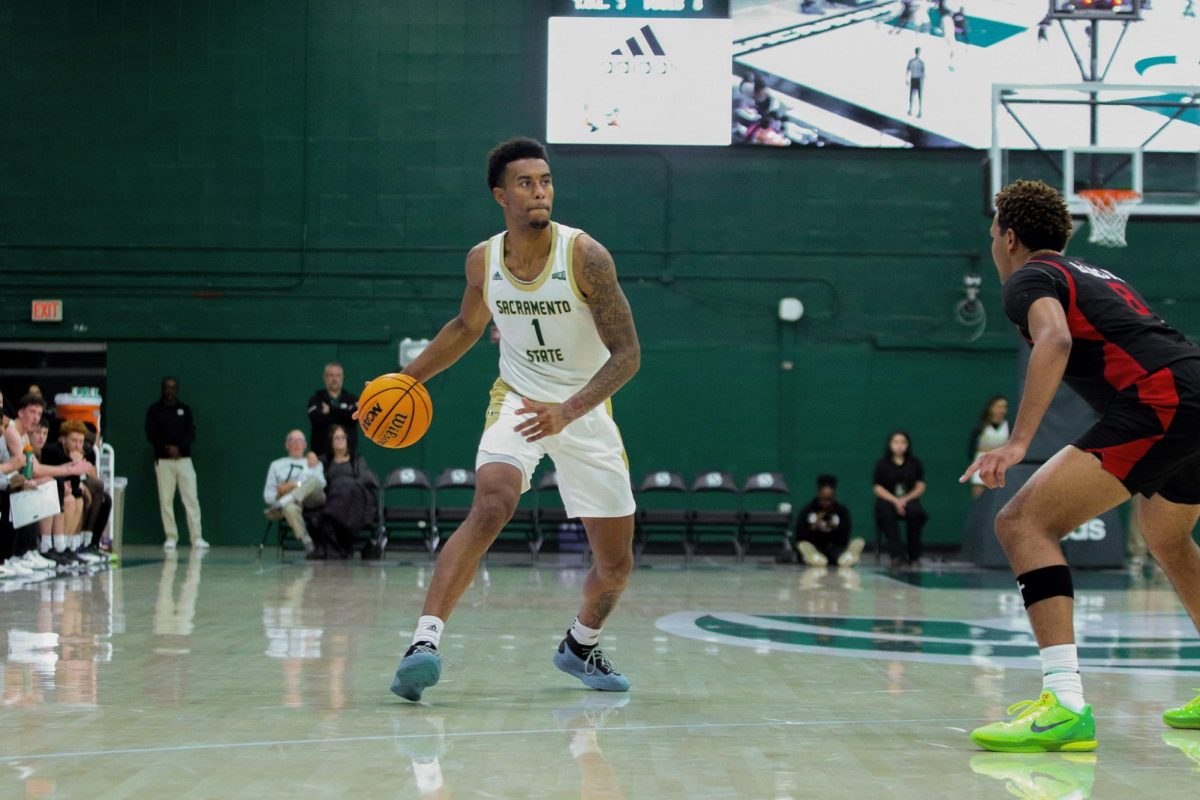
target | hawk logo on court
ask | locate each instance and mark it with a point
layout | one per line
(1114, 642)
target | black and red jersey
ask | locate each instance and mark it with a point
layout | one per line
(1117, 338)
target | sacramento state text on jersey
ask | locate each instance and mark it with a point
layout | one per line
(543, 308)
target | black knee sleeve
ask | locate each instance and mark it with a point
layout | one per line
(1044, 583)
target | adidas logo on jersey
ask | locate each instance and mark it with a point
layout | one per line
(496, 276)
(634, 48)
(558, 276)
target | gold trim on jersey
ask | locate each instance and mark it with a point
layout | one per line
(571, 269)
(624, 453)
(487, 264)
(496, 395)
(536, 283)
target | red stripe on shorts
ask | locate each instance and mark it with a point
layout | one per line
(1156, 391)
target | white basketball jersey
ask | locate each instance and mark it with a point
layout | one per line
(549, 346)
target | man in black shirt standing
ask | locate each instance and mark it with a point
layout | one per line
(332, 405)
(1090, 327)
(171, 430)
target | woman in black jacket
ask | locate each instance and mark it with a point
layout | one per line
(899, 484)
(351, 489)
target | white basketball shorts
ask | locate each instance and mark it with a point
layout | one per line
(593, 474)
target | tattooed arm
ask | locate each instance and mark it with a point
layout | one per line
(596, 276)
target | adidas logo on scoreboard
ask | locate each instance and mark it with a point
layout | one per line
(633, 47)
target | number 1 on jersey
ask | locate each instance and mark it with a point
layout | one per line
(538, 330)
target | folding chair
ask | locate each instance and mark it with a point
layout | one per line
(716, 509)
(452, 493)
(407, 505)
(282, 529)
(662, 508)
(765, 496)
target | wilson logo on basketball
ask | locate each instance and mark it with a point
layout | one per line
(397, 410)
(394, 429)
(368, 419)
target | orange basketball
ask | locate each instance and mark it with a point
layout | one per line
(394, 410)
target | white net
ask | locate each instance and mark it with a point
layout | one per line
(1108, 213)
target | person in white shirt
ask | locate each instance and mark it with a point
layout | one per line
(295, 484)
(989, 433)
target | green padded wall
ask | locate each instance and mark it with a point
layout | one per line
(237, 192)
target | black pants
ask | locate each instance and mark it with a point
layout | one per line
(889, 522)
(332, 537)
(8, 536)
(96, 518)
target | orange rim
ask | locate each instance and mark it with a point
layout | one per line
(1109, 197)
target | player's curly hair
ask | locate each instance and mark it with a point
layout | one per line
(1037, 212)
(512, 150)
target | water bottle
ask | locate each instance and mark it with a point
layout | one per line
(27, 470)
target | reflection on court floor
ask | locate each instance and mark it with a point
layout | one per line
(223, 676)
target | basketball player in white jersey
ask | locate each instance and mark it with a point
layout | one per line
(567, 343)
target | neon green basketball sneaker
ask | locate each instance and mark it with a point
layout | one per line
(1187, 743)
(1186, 716)
(1040, 726)
(1040, 776)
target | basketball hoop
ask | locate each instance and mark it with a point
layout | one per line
(1108, 211)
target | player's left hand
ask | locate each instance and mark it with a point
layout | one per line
(992, 465)
(547, 420)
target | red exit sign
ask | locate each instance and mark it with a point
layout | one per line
(47, 310)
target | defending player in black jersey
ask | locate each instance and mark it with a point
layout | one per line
(1091, 328)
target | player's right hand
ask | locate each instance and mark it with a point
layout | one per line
(992, 465)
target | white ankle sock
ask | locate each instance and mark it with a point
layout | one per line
(429, 629)
(60, 542)
(1060, 674)
(46, 544)
(428, 775)
(584, 742)
(588, 637)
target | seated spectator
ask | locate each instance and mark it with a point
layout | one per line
(97, 502)
(350, 503)
(989, 433)
(28, 429)
(70, 449)
(18, 547)
(49, 413)
(10, 480)
(899, 484)
(823, 528)
(332, 405)
(295, 484)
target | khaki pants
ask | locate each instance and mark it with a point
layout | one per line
(172, 473)
(307, 496)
